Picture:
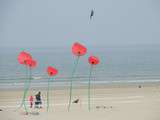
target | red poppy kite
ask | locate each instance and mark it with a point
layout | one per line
(78, 50)
(93, 60)
(51, 72)
(25, 58)
(31, 63)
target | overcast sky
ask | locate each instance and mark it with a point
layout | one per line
(42, 23)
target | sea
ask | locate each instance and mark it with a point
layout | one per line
(118, 64)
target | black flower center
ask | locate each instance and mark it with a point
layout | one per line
(79, 52)
(93, 62)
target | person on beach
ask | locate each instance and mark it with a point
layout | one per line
(31, 101)
(38, 102)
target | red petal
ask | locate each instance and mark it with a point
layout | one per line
(31, 63)
(93, 60)
(23, 57)
(52, 71)
(79, 49)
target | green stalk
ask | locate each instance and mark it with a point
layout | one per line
(89, 86)
(71, 82)
(27, 88)
(48, 95)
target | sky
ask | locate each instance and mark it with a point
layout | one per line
(47, 23)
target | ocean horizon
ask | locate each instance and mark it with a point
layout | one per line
(120, 64)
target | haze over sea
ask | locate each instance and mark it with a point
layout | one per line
(118, 64)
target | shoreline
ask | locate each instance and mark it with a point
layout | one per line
(84, 86)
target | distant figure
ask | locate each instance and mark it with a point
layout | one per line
(139, 86)
(38, 101)
(31, 101)
(97, 107)
(76, 101)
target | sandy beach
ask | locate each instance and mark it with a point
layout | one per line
(107, 103)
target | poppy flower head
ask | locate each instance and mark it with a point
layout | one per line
(31, 63)
(52, 71)
(93, 60)
(23, 57)
(79, 49)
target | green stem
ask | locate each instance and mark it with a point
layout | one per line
(71, 82)
(48, 95)
(89, 86)
(27, 88)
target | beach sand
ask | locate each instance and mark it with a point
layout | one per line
(107, 103)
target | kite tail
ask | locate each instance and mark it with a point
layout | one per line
(71, 82)
(89, 86)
